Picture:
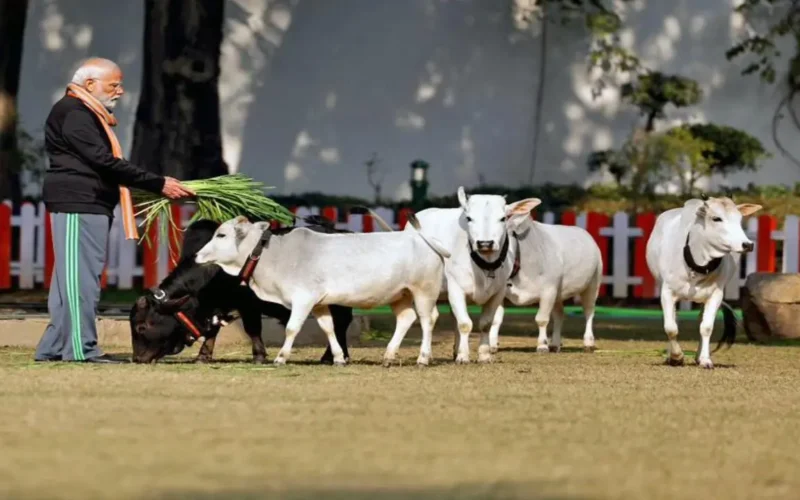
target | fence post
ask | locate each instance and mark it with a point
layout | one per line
(766, 245)
(647, 288)
(621, 232)
(595, 222)
(5, 245)
(568, 218)
(791, 243)
(402, 217)
(150, 257)
(332, 214)
(548, 218)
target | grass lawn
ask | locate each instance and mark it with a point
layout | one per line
(613, 424)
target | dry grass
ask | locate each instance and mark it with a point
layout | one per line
(614, 424)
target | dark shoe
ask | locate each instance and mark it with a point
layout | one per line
(103, 359)
(47, 360)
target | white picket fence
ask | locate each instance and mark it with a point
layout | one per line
(125, 257)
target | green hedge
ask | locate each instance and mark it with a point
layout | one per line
(776, 200)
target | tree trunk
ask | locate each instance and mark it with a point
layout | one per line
(177, 131)
(12, 30)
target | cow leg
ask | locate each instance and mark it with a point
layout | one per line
(458, 304)
(588, 300)
(405, 316)
(486, 323)
(206, 350)
(674, 352)
(325, 321)
(425, 305)
(546, 305)
(300, 311)
(707, 327)
(494, 330)
(558, 322)
(251, 322)
(342, 317)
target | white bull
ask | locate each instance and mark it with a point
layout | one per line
(690, 252)
(307, 271)
(556, 263)
(482, 257)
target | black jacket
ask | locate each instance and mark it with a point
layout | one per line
(84, 177)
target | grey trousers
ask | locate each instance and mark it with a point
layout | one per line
(80, 247)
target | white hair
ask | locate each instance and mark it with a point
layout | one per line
(93, 69)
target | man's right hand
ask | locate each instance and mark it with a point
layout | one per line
(174, 190)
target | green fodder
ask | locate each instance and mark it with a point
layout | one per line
(218, 198)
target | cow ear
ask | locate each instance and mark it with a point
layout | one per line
(748, 209)
(462, 197)
(522, 207)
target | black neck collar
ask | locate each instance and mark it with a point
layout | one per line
(709, 268)
(490, 266)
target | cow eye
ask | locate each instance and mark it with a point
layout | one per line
(502, 219)
(220, 236)
(717, 219)
(469, 219)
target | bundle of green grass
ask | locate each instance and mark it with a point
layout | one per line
(218, 198)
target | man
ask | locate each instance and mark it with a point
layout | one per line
(81, 188)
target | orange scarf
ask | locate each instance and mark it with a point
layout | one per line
(108, 121)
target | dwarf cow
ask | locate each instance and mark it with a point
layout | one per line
(477, 235)
(308, 272)
(690, 252)
(556, 263)
(196, 301)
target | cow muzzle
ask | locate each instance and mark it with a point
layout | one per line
(484, 246)
(748, 246)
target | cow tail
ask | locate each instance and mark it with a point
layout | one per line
(362, 209)
(729, 326)
(432, 242)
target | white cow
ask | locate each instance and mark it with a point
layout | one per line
(556, 263)
(689, 251)
(307, 271)
(482, 257)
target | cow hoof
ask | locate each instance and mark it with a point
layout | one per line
(542, 348)
(706, 363)
(494, 349)
(280, 361)
(675, 362)
(589, 349)
(388, 363)
(259, 360)
(462, 360)
(340, 362)
(554, 348)
(423, 361)
(202, 360)
(485, 358)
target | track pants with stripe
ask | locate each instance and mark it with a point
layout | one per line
(80, 245)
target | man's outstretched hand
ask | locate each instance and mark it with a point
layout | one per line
(174, 190)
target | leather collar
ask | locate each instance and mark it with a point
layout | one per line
(706, 269)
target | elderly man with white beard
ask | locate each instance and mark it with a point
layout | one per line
(87, 177)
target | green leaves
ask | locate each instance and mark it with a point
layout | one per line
(218, 199)
(651, 92)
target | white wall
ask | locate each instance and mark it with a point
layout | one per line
(310, 88)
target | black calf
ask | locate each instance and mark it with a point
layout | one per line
(205, 294)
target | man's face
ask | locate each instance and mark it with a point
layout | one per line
(107, 89)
